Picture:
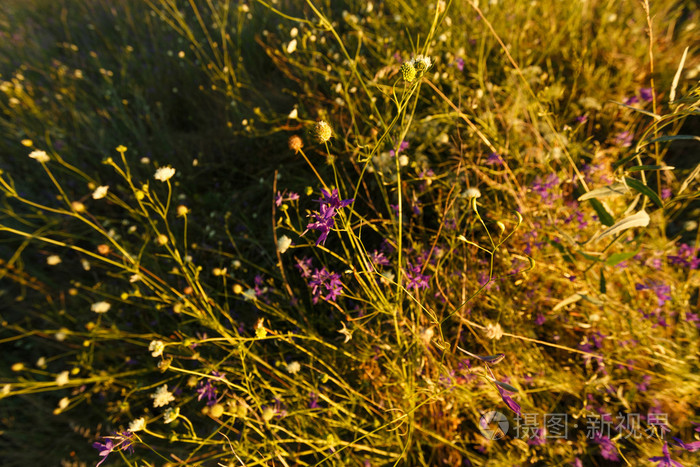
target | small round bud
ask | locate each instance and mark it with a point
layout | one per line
(295, 143)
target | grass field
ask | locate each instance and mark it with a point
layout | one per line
(353, 233)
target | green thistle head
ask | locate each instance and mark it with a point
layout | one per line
(408, 72)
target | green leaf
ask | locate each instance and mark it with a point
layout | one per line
(506, 386)
(605, 217)
(639, 168)
(617, 258)
(673, 138)
(603, 288)
(492, 359)
(645, 190)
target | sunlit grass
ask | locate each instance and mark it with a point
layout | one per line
(295, 233)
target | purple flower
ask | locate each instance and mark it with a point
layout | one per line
(324, 218)
(631, 100)
(313, 400)
(206, 389)
(540, 320)
(460, 64)
(644, 385)
(378, 259)
(646, 94)
(582, 118)
(505, 395)
(665, 460)
(280, 197)
(304, 267)
(415, 279)
(545, 188)
(494, 159)
(330, 281)
(624, 139)
(690, 447)
(104, 449)
(124, 442)
(402, 147)
(607, 448)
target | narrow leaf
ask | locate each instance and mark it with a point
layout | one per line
(506, 386)
(603, 287)
(607, 191)
(645, 190)
(672, 94)
(641, 219)
(689, 179)
(567, 301)
(639, 168)
(605, 217)
(617, 258)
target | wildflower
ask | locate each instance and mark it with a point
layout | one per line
(304, 267)
(421, 63)
(494, 331)
(324, 279)
(100, 192)
(283, 244)
(156, 348)
(121, 148)
(171, 414)
(117, 442)
(470, 193)
(324, 219)
(624, 139)
(162, 239)
(346, 332)
(40, 156)
(494, 159)
(100, 307)
(408, 72)
(313, 400)
(53, 260)
(295, 143)
(249, 294)
(665, 460)
(690, 447)
(293, 368)
(206, 389)
(164, 174)
(415, 279)
(292, 46)
(162, 396)
(322, 131)
(647, 94)
(137, 425)
(134, 278)
(62, 378)
(104, 449)
(607, 448)
(182, 210)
